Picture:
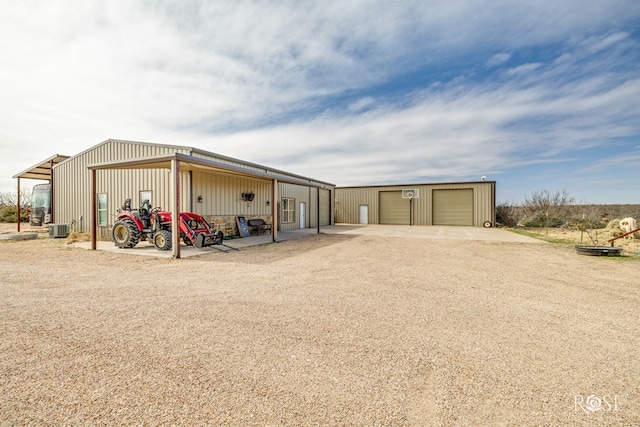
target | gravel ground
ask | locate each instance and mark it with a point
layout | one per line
(324, 330)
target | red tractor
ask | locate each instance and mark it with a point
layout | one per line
(154, 225)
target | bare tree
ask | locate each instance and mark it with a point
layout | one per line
(8, 198)
(506, 214)
(591, 220)
(548, 207)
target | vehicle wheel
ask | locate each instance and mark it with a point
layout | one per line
(125, 233)
(162, 240)
(187, 241)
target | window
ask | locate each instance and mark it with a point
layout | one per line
(102, 209)
(145, 199)
(288, 210)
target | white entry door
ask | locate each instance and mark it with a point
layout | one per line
(303, 215)
(364, 214)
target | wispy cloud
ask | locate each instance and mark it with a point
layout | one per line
(350, 92)
(524, 69)
(498, 59)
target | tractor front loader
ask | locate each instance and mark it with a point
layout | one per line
(154, 225)
(195, 230)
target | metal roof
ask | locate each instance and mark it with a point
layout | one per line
(209, 154)
(42, 170)
(195, 163)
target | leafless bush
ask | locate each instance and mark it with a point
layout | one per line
(507, 214)
(588, 219)
(546, 208)
(8, 198)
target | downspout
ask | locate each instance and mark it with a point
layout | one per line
(191, 194)
(274, 210)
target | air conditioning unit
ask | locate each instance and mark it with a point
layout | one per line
(58, 230)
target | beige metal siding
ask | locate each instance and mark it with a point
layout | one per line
(349, 199)
(453, 207)
(348, 203)
(393, 208)
(325, 207)
(222, 195)
(300, 194)
(73, 182)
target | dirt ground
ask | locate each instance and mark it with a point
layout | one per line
(328, 329)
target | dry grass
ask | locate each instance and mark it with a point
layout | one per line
(74, 237)
(595, 237)
(324, 330)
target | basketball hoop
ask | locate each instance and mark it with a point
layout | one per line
(410, 193)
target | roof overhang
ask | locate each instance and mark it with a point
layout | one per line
(196, 163)
(42, 170)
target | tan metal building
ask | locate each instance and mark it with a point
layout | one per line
(456, 203)
(212, 185)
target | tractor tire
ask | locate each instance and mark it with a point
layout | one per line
(162, 240)
(125, 233)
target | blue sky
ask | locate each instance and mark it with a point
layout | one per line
(532, 94)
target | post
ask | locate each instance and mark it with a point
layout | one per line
(53, 193)
(274, 209)
(318, 208)
(410, 210)
(94, 211)
(18, 204)
(175, 210)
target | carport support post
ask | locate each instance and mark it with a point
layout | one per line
(175, 211)
(318, 206)
(94, 211)
(18, 202)
(53, 193)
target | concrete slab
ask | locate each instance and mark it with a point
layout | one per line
(147, 249)
(417, 232)
(431, 232)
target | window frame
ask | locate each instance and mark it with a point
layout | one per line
(103, 208)
(288, 210)
(141, 198)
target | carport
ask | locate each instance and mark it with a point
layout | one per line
(42, 171)
(177, 162)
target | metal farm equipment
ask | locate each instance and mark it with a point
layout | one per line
(154, 225)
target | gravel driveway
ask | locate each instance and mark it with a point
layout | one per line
(330, 329)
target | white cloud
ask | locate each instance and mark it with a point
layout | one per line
(361, 104)
(254, 77)
(524, 69)
(498, 59)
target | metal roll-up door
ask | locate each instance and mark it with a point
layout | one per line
(453, 207)
(393, 208)
(325, 207)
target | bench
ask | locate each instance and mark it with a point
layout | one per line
(259, 226)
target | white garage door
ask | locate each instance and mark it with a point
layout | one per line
(453, 207)
(393, 208)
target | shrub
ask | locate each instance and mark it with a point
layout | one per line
(8, 214)
(506, 214)
(540, 221)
